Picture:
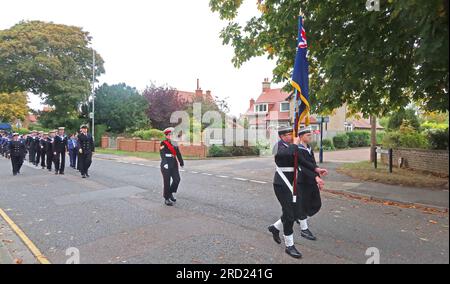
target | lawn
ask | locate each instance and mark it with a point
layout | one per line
(405, 177)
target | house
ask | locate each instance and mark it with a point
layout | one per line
(361, 124)
(270, 110)
(197, 95)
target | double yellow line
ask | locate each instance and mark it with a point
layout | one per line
(36, 252)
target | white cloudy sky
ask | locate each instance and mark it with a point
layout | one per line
(165, 41)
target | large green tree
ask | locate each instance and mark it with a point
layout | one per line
(373, 61)
(51, 60)
(120, 108)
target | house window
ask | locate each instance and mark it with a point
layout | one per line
(285, 107)
(261, 108)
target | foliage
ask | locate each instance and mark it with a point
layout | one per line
(373, 61)
(358, 139)
(399, 117)
(406, 137)
(427, 125)
(151, 134)
(100, 130)
(13, 106)
(438, 138)
(340, 141)
(120, 107)
(328, 145)
(163, 101)
(235, 151)
(21, 131)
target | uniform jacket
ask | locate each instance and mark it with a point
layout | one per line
(308, 165)
(284, 158)
(168, 160)
(17, 149)
(86, 143)
(60, 144)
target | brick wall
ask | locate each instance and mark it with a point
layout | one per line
(105, 142)
(137, 145)
(433, 161)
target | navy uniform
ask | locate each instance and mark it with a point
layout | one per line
(48, 147)
(171, 158)
(309, 193)
(17, 152)
(31, 147)
(86, 147)
(285, 153)
(43, 150)
(37, 148)
(59, 151)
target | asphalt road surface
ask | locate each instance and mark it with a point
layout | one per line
(222, 214)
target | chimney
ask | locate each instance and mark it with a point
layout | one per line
(266, 84)
(208, 94)
(198, 84)
(252, 103)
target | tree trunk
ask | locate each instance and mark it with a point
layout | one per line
(373, 139)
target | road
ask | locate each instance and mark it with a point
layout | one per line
(223, 210)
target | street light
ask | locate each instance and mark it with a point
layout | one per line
(92, 114)
(322, 120)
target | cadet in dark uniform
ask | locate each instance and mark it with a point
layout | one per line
(59, 151)
(285, 152)
(43, 150)
(32, 147)
(309, 183)
(170, 158)
(17, 151)
(86, 147)
(49, 149)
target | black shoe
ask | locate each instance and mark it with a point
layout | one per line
(87, 175)
(168, 202)
(172, 198)
(14, 174)
(56, 173)
(275, 234)
(308, 235)
(292, 251)
(61, 174)
(83, 176)
(43, 168)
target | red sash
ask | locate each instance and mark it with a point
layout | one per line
(171, 148)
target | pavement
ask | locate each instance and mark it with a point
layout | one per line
(223, 210)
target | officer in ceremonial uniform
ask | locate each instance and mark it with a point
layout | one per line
(285, 152)
(86, 147)
(309, 183)
(17, 151)
(170, 160)
(43, 150)
(59, 151)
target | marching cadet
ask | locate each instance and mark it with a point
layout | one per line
(37, 148)
(59, 151)
(86, 147)
(310, 183)
(17, 151)
(49, 149)
(43, 150)
(283, 182)
(170, 159)
(31, 146)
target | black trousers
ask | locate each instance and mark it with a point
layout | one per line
(291, 210)
(60, 162)
(32, 155)
(309, 200)
(84, 162)
(43, 158)
(49, 160)
(170, 175)
(17, 163)
(37, 158)
(73, 153)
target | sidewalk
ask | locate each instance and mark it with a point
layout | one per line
(12, 249)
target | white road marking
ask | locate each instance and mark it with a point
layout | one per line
(223, 176)
(257, 181)
(240, 179)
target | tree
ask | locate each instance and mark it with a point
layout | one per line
(50, 60)
(120, 107)
(374, 62)
(408, 115)
(163, 101)
(13, 106)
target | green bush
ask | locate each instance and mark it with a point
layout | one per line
(380, 137)
(100, 130)
(149, 134)
(433, 125)
(328, 145)
(314, 145)
(358, 139)
(438, 139)
(398, 139)
(221, 151)
(21, 131)
(340, 141)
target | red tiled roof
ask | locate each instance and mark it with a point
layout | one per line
(364, 124)
(272, 96)
(189, 96)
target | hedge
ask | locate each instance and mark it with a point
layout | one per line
(221, 151)
(340, 141)
(149, 134)
(358, 139)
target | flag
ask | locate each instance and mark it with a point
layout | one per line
(300, 79)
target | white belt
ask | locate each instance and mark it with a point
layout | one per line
(169, 156)
(281, 172)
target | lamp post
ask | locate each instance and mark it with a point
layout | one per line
(92, 114)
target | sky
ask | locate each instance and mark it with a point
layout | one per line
(170, 42)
